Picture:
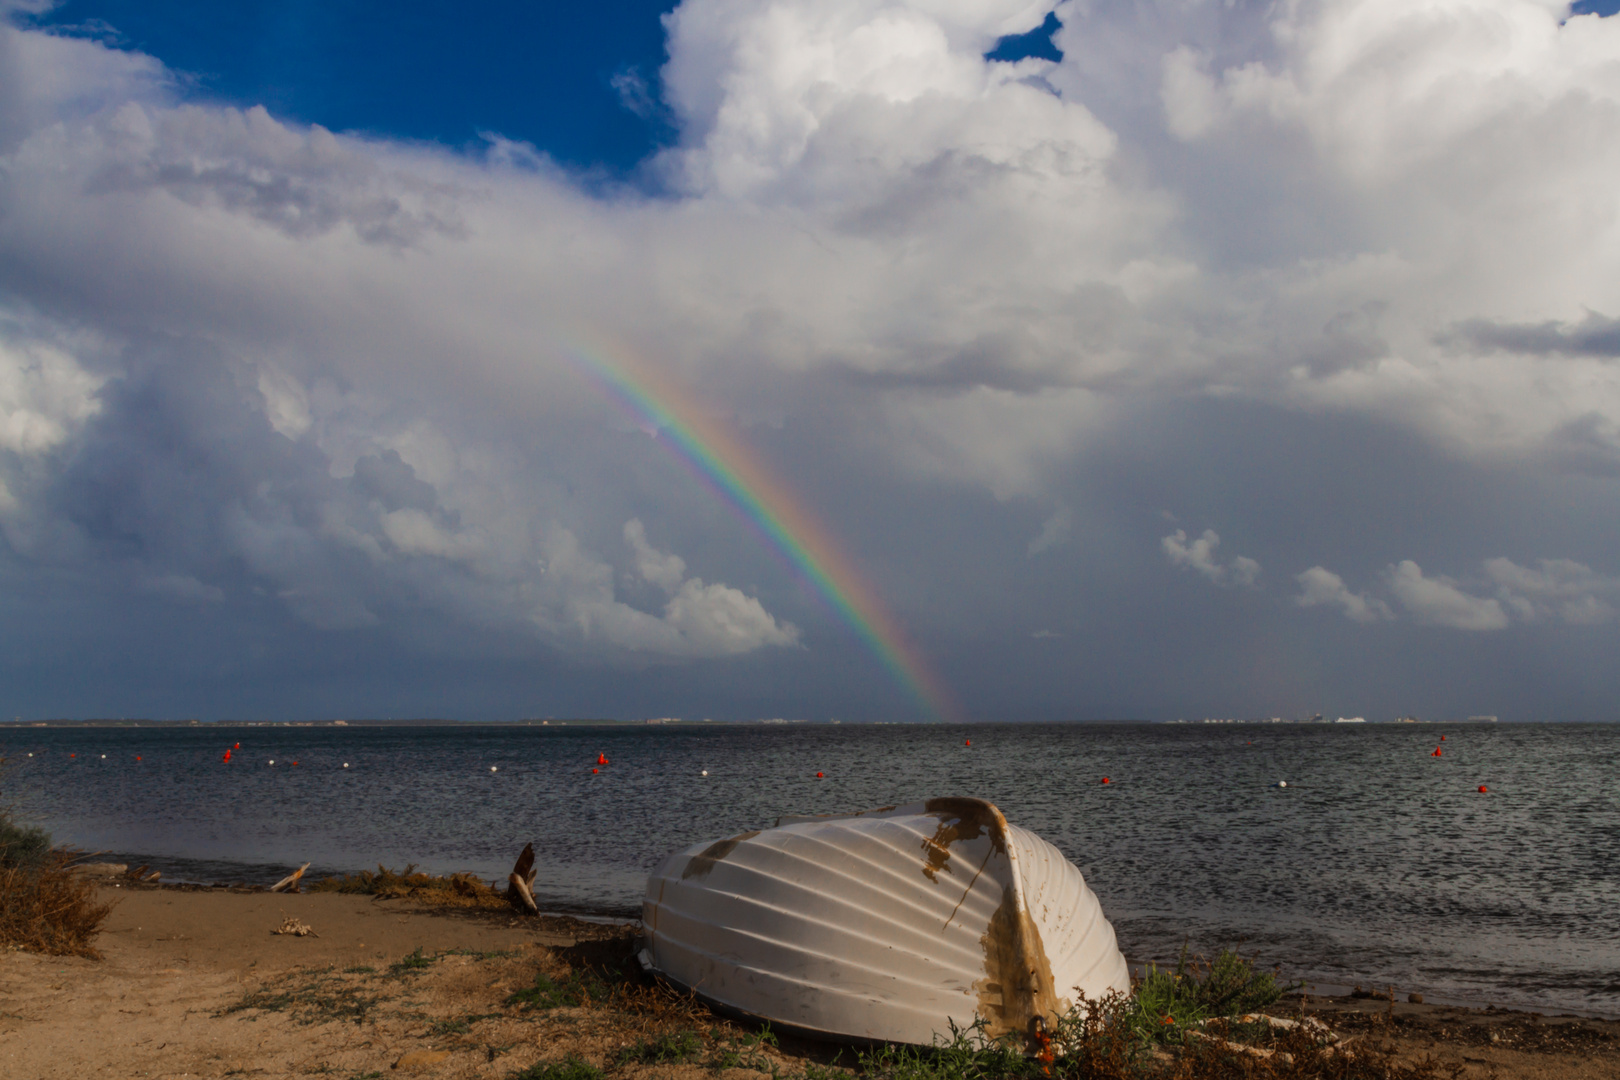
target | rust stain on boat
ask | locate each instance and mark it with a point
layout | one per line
(1017, 986)
(959, 819)
(713, 855)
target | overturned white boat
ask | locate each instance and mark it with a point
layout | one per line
(888, 925)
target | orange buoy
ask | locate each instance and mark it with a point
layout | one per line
(601, 759)
(967, 742)
(1442, 738)
(238, 746)
(227, 755)
(1483, 789)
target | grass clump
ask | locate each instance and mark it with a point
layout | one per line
(742, 1050)
(317, 1001)
(572, 1067)
(411, 962)
(667, 1049)
(575, 990)
(1168, 1003)
(456, 890)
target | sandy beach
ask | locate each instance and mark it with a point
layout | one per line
(193, 983)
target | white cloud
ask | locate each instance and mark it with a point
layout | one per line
(699, 620)
(1323, 587)
(1398, 209)
(665, 571)
(1055, 532)
(1557, 588)
(1200, 555)
(45, 395)
(1439, 602)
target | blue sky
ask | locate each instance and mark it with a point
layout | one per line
(561, 77)
(1153, 359)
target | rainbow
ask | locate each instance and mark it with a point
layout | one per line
(723, 464)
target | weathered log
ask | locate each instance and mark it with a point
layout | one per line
(290, 882)
(520, 882)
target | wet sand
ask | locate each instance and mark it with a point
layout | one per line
(194, 984)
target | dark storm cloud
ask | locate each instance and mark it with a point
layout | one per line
(1595, 336)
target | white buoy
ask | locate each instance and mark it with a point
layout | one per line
(345, 764)
(272, 761)
(492, 768)
(1282, 783)
(705, 772)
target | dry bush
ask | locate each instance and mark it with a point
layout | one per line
(46, 907)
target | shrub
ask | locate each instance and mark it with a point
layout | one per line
(46, 907)
(21, 845)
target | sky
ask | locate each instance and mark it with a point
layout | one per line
(868, 359)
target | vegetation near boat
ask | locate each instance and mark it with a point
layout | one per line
(891, 925)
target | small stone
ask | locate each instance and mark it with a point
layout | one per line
(1415, 999)
(421, 1059)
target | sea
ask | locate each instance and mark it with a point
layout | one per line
(1379, 863)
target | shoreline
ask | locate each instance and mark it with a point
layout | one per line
(1319, 988)
(195, 982)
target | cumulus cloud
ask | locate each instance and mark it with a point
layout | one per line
(1437, 601)
(260, 355)
(699, 620)
(1555, 588)
(1321, 587)
(1200, 555)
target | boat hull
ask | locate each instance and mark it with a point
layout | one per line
(891, 925)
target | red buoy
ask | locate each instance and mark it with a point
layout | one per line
(137, 757)
(601, 759)
(227, 755)
(1107, 781)
(1483, 789)
(595, 771)
(967, 742)
(1442, 738)
(819, 776)
(238, 746)
(73, 755)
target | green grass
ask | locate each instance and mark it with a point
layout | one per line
(742, 1050)
(571, 1067)
(665, 1049)
(318, 1001)
(969, 1054)
(1168, 1003)
(411, 963)
(579, 988)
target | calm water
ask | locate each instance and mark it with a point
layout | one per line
(1379, 863)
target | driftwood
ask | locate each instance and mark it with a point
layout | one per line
(520, 882)
(290, 882)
